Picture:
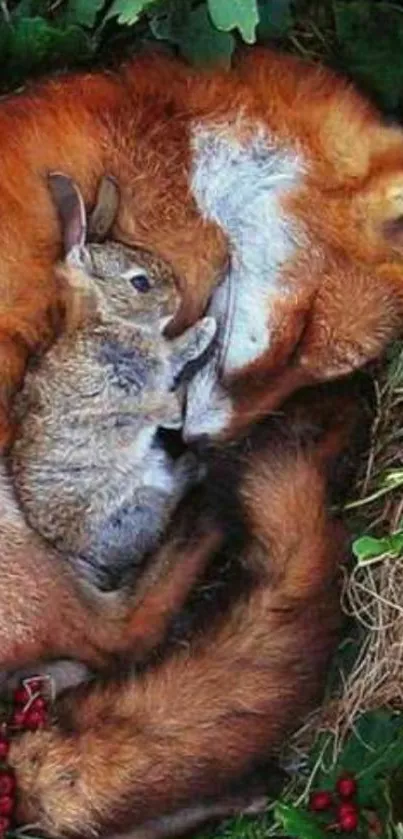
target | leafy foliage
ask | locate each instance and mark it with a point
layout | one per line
(296, 822)
(373, 755)
(363, 37)
(369, 549)
(191, 30)
(371, 47)
(228, 14)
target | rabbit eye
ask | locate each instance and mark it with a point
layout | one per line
(141, 283)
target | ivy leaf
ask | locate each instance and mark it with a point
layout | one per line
(395, 542)
(372, 752)
(231, 14)
(367, 548)
(296, 822)
(35, 43)
(83, 12)
(128, 11)
(275, 19)
(192, 31)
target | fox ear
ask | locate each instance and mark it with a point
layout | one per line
(71, 210)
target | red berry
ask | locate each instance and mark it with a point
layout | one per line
(347, 815)
(346, 786)
(6, 805)
(21, 695)
(35, 684)
(320, 801)
(7, 784)
(34, 719)
(4, 748)
(18, 718)
(38, 704)
(4, 825)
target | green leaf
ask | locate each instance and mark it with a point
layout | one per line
(396, 543)
(128, 11)
(370, 37)
(275, 19)
(231, 14)
(34, 43)
(367, 548)
(192, 31)
(83, 12)
(297, 823)
(372, 752)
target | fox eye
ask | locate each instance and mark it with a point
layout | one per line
(141, 283)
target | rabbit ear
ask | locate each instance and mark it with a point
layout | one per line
(71, 209)
(105, 210)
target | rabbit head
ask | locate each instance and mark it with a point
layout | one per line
(111, 281)
(129, 281)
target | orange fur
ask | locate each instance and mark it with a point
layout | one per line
(207, 714)
(347, 286)
(45, 613)
(156, 744)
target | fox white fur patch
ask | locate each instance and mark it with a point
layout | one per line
(238, 178)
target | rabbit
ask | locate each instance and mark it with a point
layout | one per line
(89, 468)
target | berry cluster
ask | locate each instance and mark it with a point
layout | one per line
(344, 806)
(30, 706)
(29, 712)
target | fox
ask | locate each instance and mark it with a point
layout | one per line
(274, 190)
(154, 752)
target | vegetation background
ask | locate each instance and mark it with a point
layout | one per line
(363, 39)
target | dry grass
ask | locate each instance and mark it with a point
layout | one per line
(372, 591)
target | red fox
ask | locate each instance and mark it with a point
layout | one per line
(274, 191)
(155, 752)
(275, 194)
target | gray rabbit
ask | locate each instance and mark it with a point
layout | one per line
(89, 469)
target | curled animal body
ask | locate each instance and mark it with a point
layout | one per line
(89, 468)
(274, 190)
(110, 368)
(156, 751)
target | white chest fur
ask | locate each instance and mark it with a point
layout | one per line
(238, 179)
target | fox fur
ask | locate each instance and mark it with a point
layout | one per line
(275, 192)
(275, 152)
(155, 750)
